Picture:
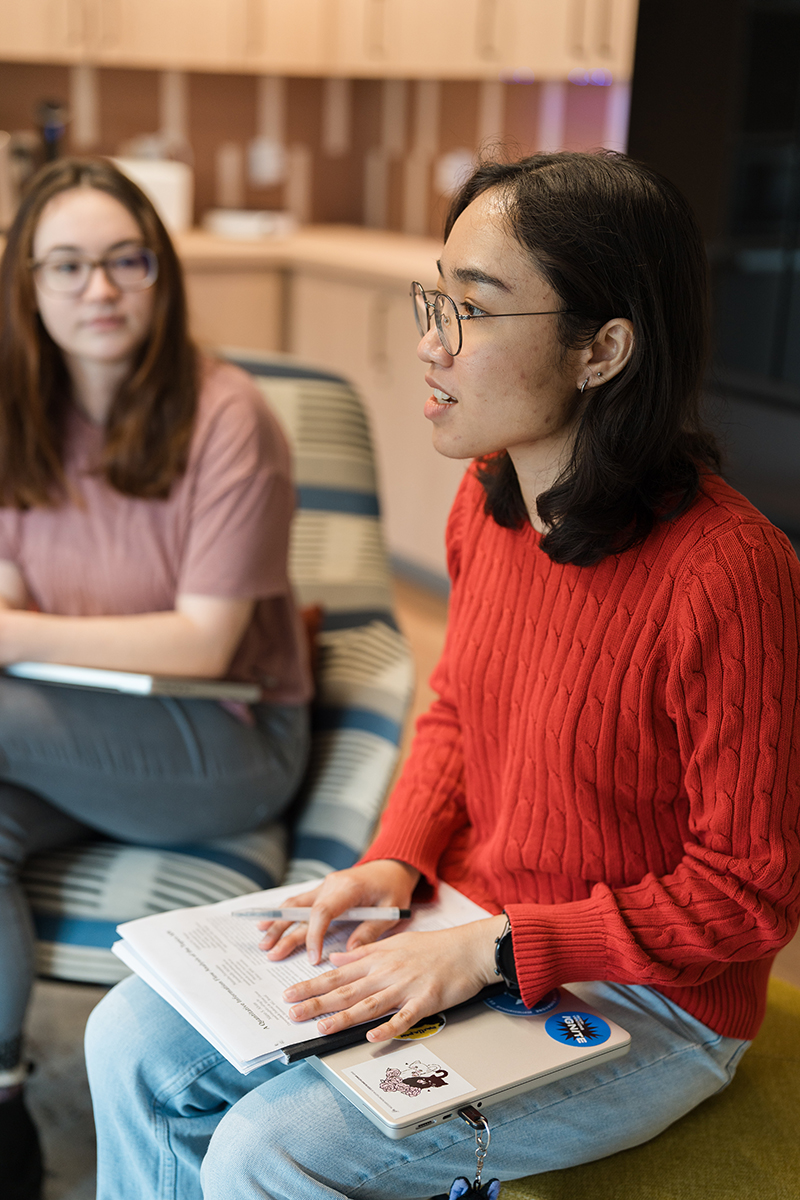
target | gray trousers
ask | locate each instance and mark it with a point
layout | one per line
(140, 769)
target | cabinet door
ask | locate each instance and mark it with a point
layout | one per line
(608, 37)
(107, 25)
(367, 334)
(42, 30)
(451, 39)
(362, 38)
(240, 309)
(551, 40)
(415, 38)
(284, 37)
(481, 37)
(181, 34)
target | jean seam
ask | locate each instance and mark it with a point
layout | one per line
(178, 1082)
(168, 1170)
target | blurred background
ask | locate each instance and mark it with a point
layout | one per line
(339, 111)
(304, 151)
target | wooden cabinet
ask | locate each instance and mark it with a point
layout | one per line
(368, 38)
(280, 36)
(407, 39)
(62, 31)
(366, 331)
(284, 38)
(236, 291)
(43, 30)
(475, 39)
(177, 34)
(239, 308)
(410, 39)
(188, 34)
(552, 41)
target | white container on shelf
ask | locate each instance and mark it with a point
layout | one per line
(169, 184)
(245, 223)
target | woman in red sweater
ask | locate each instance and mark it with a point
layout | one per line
(612, 765)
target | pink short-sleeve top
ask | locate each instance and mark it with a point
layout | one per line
(222, 531)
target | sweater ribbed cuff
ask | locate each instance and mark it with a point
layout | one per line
(556, 943)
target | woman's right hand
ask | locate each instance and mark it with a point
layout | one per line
(385, 883)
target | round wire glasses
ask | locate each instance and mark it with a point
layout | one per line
(132, 269)
(448, 319)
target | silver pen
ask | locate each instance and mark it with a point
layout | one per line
(303, 914)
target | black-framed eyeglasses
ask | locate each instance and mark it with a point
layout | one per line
(133, 269)
(448, 319)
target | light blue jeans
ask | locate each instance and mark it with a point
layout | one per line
(176, 1122)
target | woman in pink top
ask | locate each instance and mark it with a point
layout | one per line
(145, 501)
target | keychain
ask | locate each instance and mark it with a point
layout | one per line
(461, 1187)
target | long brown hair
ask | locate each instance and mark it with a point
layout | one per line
(150, 422)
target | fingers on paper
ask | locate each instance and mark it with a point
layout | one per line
(283, 938)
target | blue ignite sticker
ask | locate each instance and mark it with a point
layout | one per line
(577, 1029)
(514, 1006)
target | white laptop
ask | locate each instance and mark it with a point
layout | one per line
(135, 683)
(476, 1055)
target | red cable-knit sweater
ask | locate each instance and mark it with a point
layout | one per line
(615, 755)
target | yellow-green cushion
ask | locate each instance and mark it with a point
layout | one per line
(743, 1144)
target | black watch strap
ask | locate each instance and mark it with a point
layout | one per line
(504, 964)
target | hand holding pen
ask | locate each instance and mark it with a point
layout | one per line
(376, 885)
(390, 982)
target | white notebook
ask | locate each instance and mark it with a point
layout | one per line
(134, 683)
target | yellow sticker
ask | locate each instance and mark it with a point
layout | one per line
(423, 1029)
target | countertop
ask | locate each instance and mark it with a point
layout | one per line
(370, 255)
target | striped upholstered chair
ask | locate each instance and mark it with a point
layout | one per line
(363, 686)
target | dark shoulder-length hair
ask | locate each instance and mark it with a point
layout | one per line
(150, 422)
(613, 239)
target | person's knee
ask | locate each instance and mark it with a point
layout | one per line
(14, 832)
(236, 1165)
(29, 824)
(277, 1138)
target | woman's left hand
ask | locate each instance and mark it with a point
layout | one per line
(415, 974)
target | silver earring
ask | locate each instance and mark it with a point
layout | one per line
(583, 385)
(599, 374)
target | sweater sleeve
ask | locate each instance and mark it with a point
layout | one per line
(731, 690)
(427, 810)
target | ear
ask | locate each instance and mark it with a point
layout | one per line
(459, 1187)
(608, 353)
(491, 1189)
